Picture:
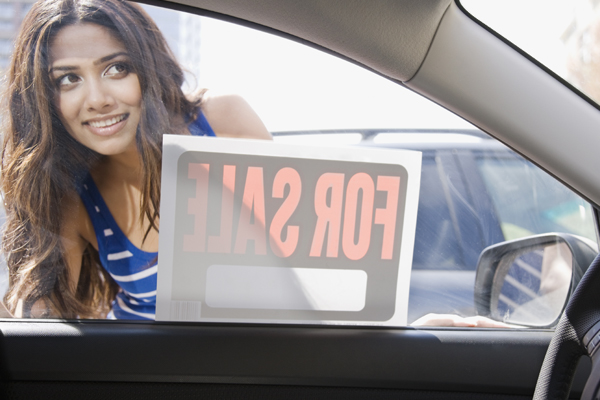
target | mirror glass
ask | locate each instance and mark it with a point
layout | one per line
(531, 288)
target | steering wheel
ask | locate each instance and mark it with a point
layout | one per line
(577, 334)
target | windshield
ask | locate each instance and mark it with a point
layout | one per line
(564, 35)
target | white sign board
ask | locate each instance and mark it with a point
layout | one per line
(256, 231)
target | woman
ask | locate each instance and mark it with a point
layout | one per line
(91, 90)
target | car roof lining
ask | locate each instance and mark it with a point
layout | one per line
(392, 43)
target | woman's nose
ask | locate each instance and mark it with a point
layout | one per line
(98, 96)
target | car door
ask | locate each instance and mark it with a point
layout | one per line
(97, 359)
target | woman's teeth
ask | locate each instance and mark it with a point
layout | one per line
(107, 122)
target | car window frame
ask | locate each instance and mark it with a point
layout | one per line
(289, 355)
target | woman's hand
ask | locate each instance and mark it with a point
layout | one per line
(458, 321)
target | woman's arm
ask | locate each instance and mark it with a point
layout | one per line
(231, 116)
(77, 231)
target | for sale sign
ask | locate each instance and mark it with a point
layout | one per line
(258, 231)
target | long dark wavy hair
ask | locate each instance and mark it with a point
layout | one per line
(42, 163)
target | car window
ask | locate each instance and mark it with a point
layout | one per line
(474, 192)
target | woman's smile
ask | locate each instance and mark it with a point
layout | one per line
(97, 93)
(107, 126)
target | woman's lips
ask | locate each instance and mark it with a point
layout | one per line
(107, 126)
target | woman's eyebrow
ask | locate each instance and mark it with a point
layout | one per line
(97, 62)
(62, 68)
(110, 57)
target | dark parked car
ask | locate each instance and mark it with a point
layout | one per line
(475, 192)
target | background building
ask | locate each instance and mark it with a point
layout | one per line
(11, 16)
(182, 33)
(180, 30)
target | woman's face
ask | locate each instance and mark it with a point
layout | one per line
(97, 94)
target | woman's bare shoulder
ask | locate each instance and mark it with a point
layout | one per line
(231, 116)
(77, 225)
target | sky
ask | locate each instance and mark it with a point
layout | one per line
(294, 87)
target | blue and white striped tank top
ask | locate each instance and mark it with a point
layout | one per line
(134, 270)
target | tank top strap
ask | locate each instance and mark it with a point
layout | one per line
(200, 126)
(92, 201)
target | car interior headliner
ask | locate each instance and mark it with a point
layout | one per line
(391, 37)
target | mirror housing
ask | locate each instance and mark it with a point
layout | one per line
(528, 281)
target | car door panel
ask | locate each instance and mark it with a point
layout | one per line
(457, 360)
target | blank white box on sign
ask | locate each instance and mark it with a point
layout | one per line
(252, 287)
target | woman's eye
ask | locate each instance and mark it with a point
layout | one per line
(118, 69)
(68, 80)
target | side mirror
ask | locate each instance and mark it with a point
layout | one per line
(528, 281)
